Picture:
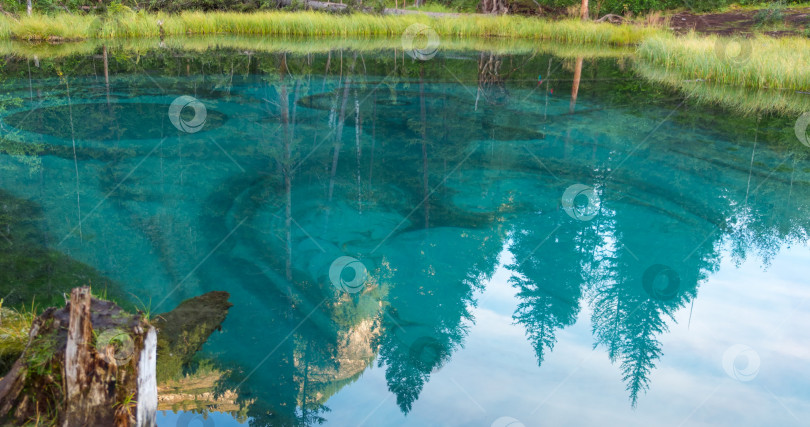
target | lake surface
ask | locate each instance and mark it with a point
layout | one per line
(460, 238)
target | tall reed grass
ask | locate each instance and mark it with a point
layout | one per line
(64, 27)
(132, 24)
(759, 62)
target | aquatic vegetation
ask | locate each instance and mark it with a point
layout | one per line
(760, 62)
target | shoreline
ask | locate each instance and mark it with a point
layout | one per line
(130, 24)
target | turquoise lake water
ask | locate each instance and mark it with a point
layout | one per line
(455, 241)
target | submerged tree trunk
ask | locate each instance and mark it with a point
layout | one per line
(89, 363)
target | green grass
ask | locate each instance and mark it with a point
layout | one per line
(130, 24)
(14, 327)
(759, 62)
(742, 100)
(297, 45)
(44, 27)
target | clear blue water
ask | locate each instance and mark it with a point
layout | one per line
(627, 258)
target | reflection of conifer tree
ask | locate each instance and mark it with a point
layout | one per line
(549, 291)
(629, 315)
(422, 330)
(430, 306)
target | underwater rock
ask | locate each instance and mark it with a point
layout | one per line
(184, 330)
(91, 360)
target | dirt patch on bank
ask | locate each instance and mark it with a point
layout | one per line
(793, 22)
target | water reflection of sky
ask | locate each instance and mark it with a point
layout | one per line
(496, 374)
(190, 419)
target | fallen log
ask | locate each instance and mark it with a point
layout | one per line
(184, 330)
(315, 5)
(611, 18)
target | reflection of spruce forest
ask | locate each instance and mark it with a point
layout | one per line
(305, 158)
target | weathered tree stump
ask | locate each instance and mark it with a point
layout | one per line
(88, 364)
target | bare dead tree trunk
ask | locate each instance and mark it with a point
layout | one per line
(583, 12)
(423, 117)
(494, 6)
(29, 7)
(358, 132)
(491, 83)
(339, 129)
(575, 86)
(107, 73)
(284, 103)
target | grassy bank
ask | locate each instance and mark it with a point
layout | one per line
(760, 62)
(130, 24)
(501, 46)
